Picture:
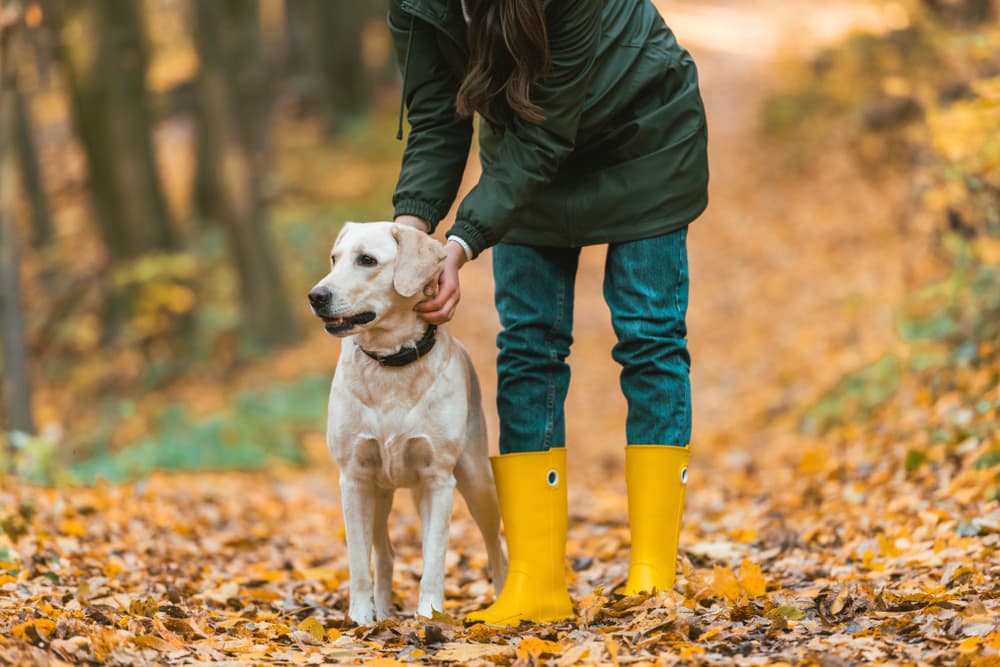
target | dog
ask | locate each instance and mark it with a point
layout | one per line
(405, 411)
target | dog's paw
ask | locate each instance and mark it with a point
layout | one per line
(382, 612)
(362, 613)
(427, 606)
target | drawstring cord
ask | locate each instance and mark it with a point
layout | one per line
(406, 67)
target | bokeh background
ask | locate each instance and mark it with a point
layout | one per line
(172, 174)
(175, 169)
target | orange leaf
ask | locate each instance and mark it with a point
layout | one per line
(752, 578)
(533, 647)
(313, 627)
(34, 630)
(724, 583)
(72, 527)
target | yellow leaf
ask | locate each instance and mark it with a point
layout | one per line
(6, 579)
(968, 645)
(744, 535)
(278, 629)
(444, 617)
(324, 575)
(480, 632)
(786, 611)
(533, 647)
(334, 633)
(33, 630)
(231, 622)
(464, 653)
(312, 626)
(689, 651)
(752, 578)
(814, 461)
(147, 607)
(705, 636)
(988, 249)
(72, 527)
(181, 627)
(612, 646)
(270, 575)
(260, 594)
(151, 641)
(724, 583)
(887, 546)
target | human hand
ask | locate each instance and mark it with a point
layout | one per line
(444, 289)
(413, 221)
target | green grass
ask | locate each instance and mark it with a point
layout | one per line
(258, 427)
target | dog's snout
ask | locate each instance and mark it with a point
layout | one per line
(319, 297)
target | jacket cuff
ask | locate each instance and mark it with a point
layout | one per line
(469, 255)
(419, 208)
(472, 237)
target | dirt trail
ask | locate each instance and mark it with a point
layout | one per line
(790, 284)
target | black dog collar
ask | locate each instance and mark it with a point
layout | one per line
(409, 353)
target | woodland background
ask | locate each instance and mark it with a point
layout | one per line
(172, 173)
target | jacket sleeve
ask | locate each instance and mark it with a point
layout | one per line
(438, 144)
(529, 154)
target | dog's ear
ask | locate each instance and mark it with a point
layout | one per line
(419, 258)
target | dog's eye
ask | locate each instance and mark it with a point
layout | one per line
(366, 260)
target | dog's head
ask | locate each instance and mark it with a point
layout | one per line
(376, 269)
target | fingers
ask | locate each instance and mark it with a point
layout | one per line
(442, 307)
(445, 314)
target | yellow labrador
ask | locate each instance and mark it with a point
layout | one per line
(405, 411)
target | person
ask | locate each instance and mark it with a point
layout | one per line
(592, 131)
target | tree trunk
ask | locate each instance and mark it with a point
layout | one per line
(31, 174)
(340, 28)
(102, 52)
(324, 45)
(247, 76)
(16, 381)
(971, 12)
(265, 309)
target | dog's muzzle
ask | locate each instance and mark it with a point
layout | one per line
(320, 299)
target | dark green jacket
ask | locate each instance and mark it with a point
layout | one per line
(621, 154)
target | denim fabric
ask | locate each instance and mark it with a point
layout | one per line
(646, 289)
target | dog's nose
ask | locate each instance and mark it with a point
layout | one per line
(319, 297)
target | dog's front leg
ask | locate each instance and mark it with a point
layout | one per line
(358, 502)
(383, 554)
(436, 496)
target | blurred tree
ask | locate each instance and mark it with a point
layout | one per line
(965, 11)
(31, 174)
(16, 382)
(235, 176)
(248, 77)
(102, 52)
(325, 48)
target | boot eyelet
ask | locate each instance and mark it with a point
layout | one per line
(552, 477)
(684, 475)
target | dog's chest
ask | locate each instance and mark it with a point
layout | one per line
(398, 427)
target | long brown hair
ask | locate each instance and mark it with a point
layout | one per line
(509, 51)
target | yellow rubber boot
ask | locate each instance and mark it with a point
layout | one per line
(532, 491)
(656, 476)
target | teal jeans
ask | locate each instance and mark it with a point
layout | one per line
(646, 289)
